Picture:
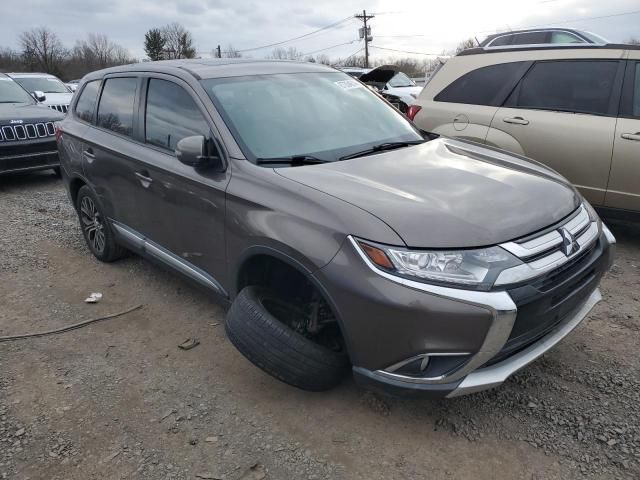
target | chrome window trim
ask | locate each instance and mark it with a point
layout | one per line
(513, 34)
(498, 303)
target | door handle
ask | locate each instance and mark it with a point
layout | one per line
(631, 136)
(516, 120)
(145, 179)
(89, 153)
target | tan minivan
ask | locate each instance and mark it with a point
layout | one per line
(574, 108)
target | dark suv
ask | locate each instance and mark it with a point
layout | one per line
(341, 235)
(27, 133)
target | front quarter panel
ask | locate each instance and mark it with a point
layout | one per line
(268, 211)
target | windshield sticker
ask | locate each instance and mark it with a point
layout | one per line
(348, 84)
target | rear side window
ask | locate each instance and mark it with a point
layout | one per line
(570, 86)
(484, 86)
(565, 37)
(530, 38)
(87, 101)
(171, 115)
(115, 111)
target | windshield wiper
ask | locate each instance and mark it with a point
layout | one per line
(382, 147)
(294, 160)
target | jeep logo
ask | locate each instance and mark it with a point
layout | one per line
(16, 121)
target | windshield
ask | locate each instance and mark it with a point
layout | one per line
(43, 84)
(11, 92)
(325, 115)
(401, 80)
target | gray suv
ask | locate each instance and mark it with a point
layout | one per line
(340, 234)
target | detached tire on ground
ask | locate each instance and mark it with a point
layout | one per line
(278, 350)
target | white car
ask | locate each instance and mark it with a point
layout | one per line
(73, 85)
(389, 80)
(46, 89)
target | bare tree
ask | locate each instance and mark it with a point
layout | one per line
(231, 52)
(178, 42)
(465, 44)
(281, 53)
(42, 50)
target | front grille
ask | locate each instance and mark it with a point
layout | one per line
(556, 284)
(59, 108)
(18, 149)
(13, 133)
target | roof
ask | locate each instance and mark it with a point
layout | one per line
(547, 46)
(29, 74)
(217, 68)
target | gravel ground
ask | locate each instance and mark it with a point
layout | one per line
(118, 399)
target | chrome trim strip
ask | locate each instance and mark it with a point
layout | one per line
(495, 375)
(168, 258)
(425, 361)
(498, 303)
(29, 155)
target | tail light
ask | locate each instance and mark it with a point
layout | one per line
(412, 111)
(59, 132)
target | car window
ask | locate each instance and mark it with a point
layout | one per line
(529, 38)
(171, 115)
(502, 41)
(322, 114)
(484, 86)
(43, 84)
(115, 111)
(87, 101)
(636, 93)
(11, 92)
(564, 37)
(401, 80)
(573, 86)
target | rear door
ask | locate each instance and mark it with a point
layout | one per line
(563, 114)
(624, 182)
(112, 153)
(466, 106)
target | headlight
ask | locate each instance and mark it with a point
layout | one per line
(473, 269)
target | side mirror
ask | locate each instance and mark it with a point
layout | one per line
(197, 152)
(39, 96)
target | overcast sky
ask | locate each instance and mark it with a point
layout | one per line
(416, 26)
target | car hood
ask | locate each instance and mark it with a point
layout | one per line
(27, 113)
(57, 98)
(404, 93)
(447, 193)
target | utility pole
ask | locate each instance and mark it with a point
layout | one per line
(366, 34)
(219, 52)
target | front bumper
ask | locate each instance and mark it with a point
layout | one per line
(502, 348)
(26, 156)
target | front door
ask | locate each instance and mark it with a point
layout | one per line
(624, 183)
(563, 114)
(187, 205)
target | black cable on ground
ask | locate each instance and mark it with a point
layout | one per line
(68, 327)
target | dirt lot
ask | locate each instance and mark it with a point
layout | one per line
(118, 399)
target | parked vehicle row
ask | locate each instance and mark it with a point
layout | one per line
(27, 133)
(577, 110)
(46, 89)
(341, 235)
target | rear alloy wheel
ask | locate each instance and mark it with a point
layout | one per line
(314, 363)
(95, 229)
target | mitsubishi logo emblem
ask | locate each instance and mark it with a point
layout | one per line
(569, 244)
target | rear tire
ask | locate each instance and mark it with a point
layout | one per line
(277, 349)
(95, 227)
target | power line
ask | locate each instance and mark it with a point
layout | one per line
(583, 19)
(329, 48)
(406, 51)
(298, 37)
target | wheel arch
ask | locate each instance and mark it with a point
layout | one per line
(255, 254)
